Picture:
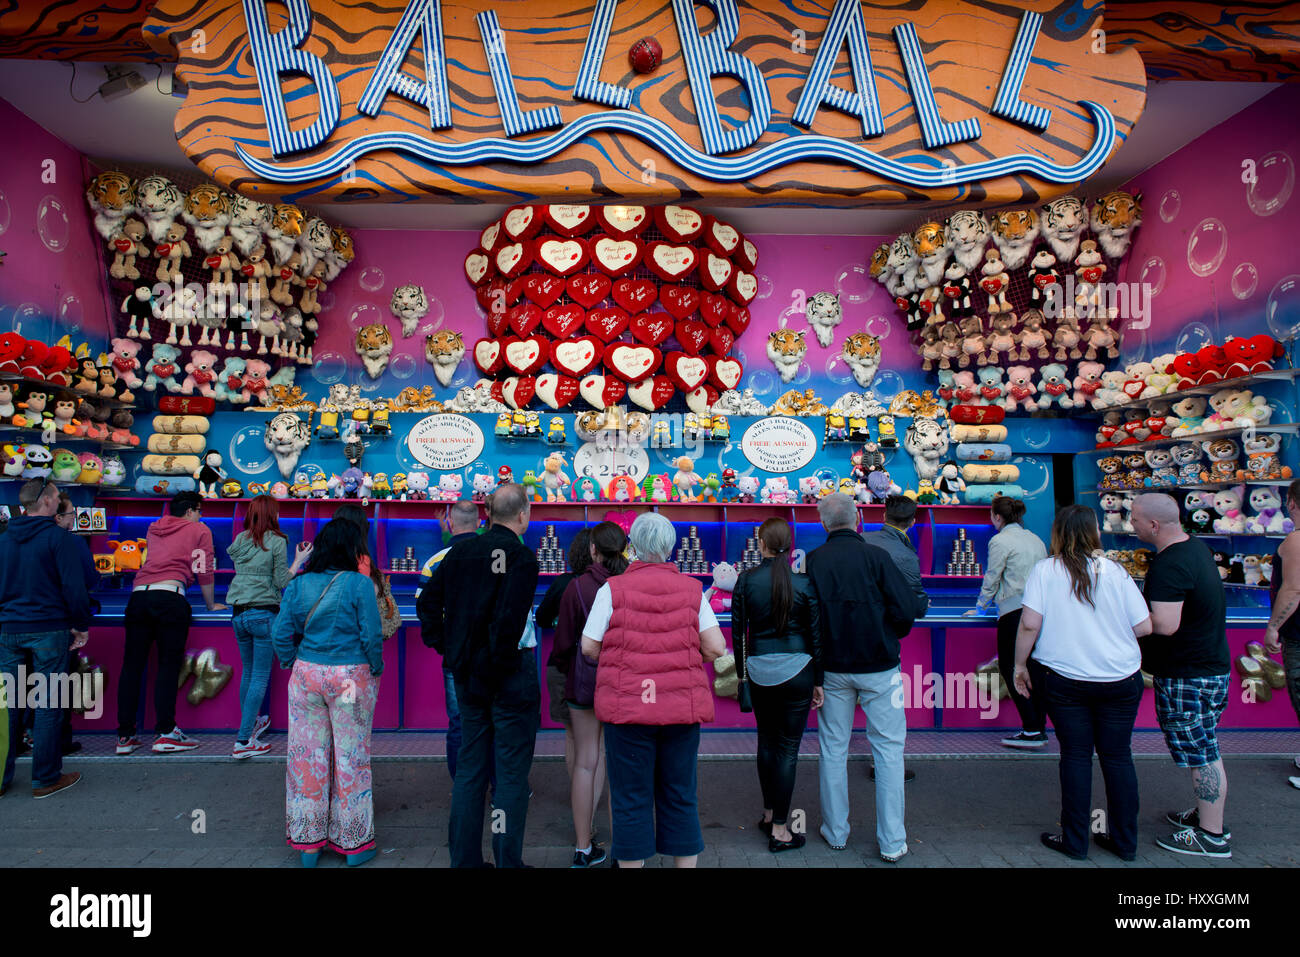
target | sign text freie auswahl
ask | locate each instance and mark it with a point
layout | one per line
(445, 441)
(779, 444)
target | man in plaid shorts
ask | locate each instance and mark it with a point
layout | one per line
(1187, 654)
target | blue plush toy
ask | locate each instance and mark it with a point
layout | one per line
(162, 367)
(1054, 386)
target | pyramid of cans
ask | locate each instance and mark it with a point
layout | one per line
(550, 557)
(408, 562)
(751, 557)
(962, 561)
(690, 555)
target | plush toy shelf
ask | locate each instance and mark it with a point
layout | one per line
(42, 385)
(1281, 428)
(1240, 382)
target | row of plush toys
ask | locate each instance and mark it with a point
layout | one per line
(1205, 512)
(1188, 417)
(62, 465)
(235, 379)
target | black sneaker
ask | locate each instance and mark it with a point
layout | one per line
(1057, 843)
(796, 841)
(590, 859)
(1026, 741)
(1192, 818)
(1107, 843)
(1194, 841)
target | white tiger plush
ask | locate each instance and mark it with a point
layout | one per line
(927, 442)
(410, 305)
(158, 202)
(1064, 220)
(902, 266)
(247, 220)
(967, 233)
(823, 313)
(315, 243)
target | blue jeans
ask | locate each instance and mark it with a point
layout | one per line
(653, 789)
(49, 654)
(253, 632)
(453, 721)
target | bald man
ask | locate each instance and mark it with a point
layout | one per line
(1187, 655)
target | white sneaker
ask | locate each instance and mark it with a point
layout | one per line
(263, 722)
(1295, 782)
(178, 740)
(893, 858)
(241, 751)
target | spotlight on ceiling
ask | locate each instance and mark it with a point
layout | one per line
(121, 81)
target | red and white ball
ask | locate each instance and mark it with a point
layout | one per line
(645, 55)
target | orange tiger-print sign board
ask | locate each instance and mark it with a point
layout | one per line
(840, 104)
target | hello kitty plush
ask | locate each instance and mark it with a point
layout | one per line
(776, 491)
(1112, 510)
(484, 485)
(1087, 383)
(1020, 389)
(449, 486)
(724, 583)
(1053, 386)
(748, 486)
(417, 486)
(1227, 503)
(808, 487)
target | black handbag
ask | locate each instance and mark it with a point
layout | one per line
(742, 687)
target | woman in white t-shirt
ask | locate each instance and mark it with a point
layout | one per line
(1082, 615)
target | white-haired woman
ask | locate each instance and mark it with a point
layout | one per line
(652, 630)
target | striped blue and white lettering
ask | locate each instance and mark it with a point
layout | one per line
(516, 120)
(424, 16)
(1008, 103)
(935, 132)
(277, 53)
(845, 19)
(589, 87)
(707, 57)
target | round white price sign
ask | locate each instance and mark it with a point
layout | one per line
(602, 462)
(445, 442)
(779, 444)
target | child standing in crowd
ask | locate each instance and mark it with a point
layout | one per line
(605, 544)
(328, 631)
(179, 552)
(260, 556)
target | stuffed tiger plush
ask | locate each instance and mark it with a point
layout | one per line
(159, 202)
(342, 254)
(786, 348)
(315, 243)
(374, 344)
(932, 249)
(880, 263)
(824, 314)
(284, 229)
(1064, 220)
(410, 305)
(862, 353)
(112, 196)
(444, 350)
(247, 220)
(967, 233)
(1014, 232)
(1114, 217)
(902, 265)
(207, 210)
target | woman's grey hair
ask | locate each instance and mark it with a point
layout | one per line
(837, 511)
(653, 537)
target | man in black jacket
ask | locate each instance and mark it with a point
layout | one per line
(867, 605)
(474, 611)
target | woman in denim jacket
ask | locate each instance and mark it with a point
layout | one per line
(336, 664)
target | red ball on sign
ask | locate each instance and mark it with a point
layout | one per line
(645, 55)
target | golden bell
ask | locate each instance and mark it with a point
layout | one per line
(210, 676)
(726, 683)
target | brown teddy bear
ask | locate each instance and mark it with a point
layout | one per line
(223, 262)
(257, 270)
(312, 286)
(286, 277)
(126, 244)
(171, 251)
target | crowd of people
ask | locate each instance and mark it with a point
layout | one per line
(626, 674)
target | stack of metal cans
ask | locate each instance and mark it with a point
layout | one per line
(963, 560)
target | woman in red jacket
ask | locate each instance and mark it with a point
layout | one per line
(652, 631)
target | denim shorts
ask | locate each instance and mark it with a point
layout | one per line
(1188, 710)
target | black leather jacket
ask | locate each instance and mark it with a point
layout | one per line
(751, 612)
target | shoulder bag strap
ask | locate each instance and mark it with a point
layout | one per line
(318, 601)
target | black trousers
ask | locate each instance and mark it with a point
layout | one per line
(781, 713)
(152, 617)
(1033, 710)
(1088, 716)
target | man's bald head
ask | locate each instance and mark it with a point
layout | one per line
(463, 517)
(509, 502)
(1156, 520)
(1157, 507)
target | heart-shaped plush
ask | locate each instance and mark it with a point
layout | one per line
(746, 255)
(623, 221)
(737, 318)
(576, 357)
(631, 363)
(165, 250)
(517, 392)
(524, 318)
(721, 340)
(715, 271)
(526, 356)
(477, 266)
(498, 319)
(124, 246)
(721, 237)
(557, 391)
(515, 289)
(487, 356)
(614, 257)
(561, 256)
(248, 269)
(495, 290)
(588, 288)
(743, 287)
(651, 328)
(635, 295)
(714, 308)
(495, 389)
(607, 323)
(487, 240)
(543, 290)
(653, 393)
(569, 220)
(693, 336)
(670, 262)
(521, 222)
(512, 259)
(679, 301)
(686, 372)
(678, 222)
(212, 262)
(700, 399)
(602, 391)
(725, 372)
(563, 320)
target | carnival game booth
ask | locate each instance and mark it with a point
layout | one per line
(612, 329)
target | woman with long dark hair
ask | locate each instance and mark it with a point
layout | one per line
(776, 631)
(1013, 551)
(1082, 615)
(389, 618)
(328, 631)
(260, 556)
(587, 777)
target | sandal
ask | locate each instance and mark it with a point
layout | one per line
(796, 841)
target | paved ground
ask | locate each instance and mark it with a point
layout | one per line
(965, 812)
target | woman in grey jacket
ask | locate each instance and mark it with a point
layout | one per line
(261, 574)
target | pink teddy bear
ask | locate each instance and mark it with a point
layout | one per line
(125, 362)
(200, 373)
(1020, 389)
(1087, 384)
(255, 375)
